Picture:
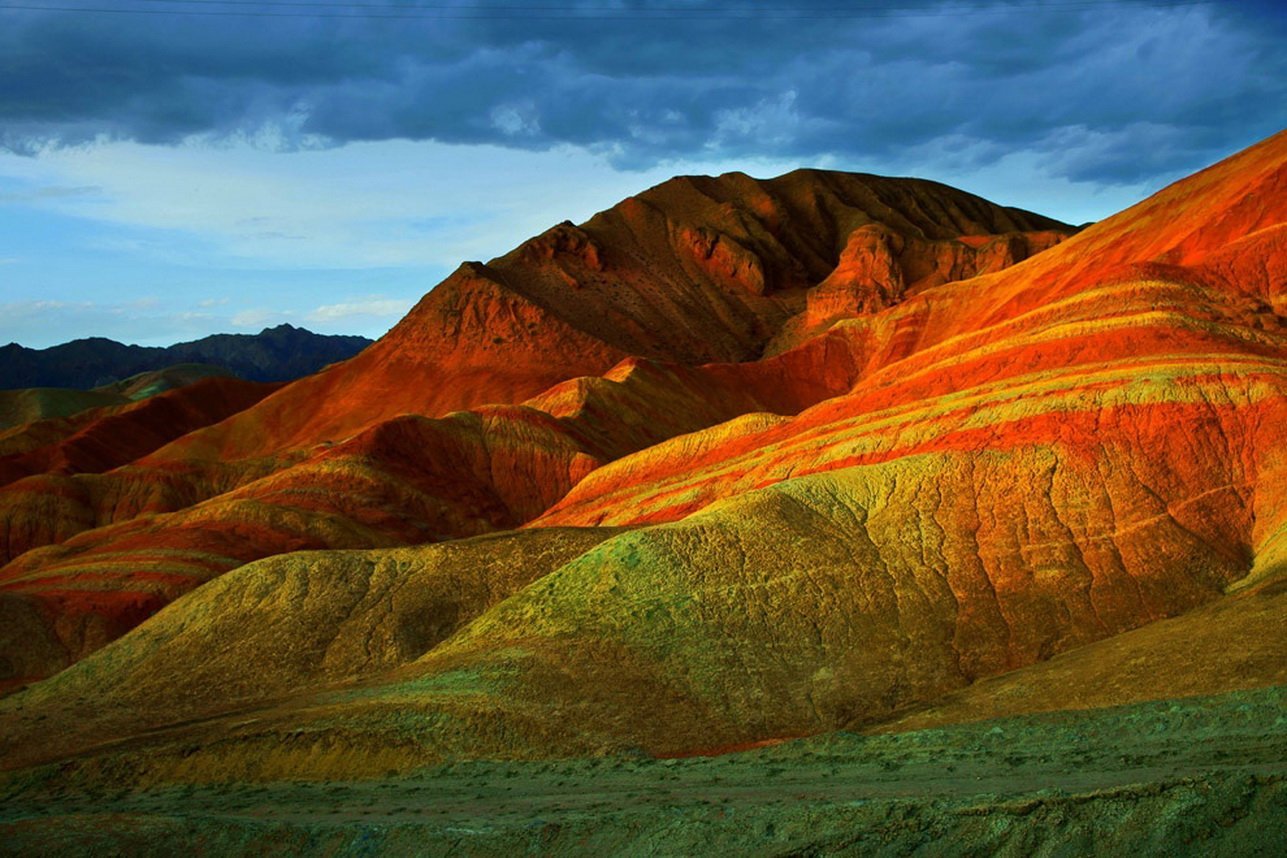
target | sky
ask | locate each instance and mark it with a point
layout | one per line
(175, 168)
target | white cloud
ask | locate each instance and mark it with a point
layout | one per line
(364, 205)
(770, 122)
(43, 323)
(370, 307)
(52, 192)
(423, 205)
(517, 120)
(259, 317)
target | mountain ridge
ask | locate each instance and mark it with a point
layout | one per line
(280, 353)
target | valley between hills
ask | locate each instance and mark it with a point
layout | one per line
(821, 514)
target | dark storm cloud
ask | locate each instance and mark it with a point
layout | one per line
(1105, 92)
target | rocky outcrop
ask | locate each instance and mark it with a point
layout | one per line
(880, 267)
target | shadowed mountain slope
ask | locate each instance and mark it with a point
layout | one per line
(152, 382)
(32, 417)
(99, 439)
(34, 404)
(274, 354)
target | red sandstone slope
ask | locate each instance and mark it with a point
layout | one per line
(728, 266)
(1110, 453)
(694, 269)
(1194, 275)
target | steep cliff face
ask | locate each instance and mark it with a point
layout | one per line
(702, 269)
(879, 268)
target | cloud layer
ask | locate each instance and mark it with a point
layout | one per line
(164, 176)
(1105, 92)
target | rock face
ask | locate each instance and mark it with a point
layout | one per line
(732, 461)
(880, 267)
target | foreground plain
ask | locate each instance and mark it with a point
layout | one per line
(1205, 775)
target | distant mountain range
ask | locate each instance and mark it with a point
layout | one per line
(282, 353)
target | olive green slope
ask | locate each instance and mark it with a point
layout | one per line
(27, 405)
(836, 600)
(292, 622)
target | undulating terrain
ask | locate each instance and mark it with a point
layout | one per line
(675, 495)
